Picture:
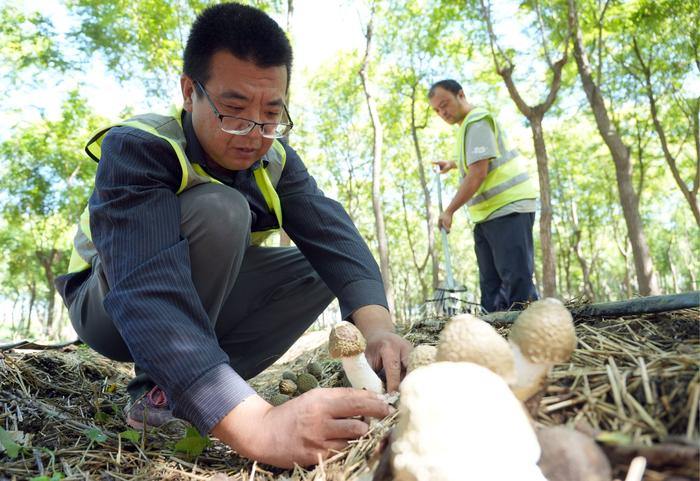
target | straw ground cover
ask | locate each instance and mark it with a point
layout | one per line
(633, 383)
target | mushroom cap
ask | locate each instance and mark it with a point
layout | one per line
(456, 420)
(421, 355)
(315, 369)
(466, 338)
(306, 382)
(287, 386)
(545, 332)
(345, 340)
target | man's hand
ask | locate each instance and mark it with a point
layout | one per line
(385, 348)
(445, 165)
(445, 220)
(301, 431)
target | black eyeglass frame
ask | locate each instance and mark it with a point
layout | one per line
(251, 123)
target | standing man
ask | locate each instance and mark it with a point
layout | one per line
(168, 271)
(500, 195)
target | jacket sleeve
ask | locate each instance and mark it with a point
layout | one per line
(135, 224)
(328, 238)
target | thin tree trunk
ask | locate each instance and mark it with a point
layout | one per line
(549, 273)
(644, 267)
(427, 203)
(420, 267)
(585, 268)
(48, 260)
(382, 244)
(30, 308)
(691, 195)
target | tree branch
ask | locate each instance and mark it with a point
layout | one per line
(486, 12)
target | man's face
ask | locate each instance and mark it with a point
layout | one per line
(450, 107)
(242, 89)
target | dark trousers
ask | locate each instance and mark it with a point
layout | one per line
(259, 299)
(505, 255)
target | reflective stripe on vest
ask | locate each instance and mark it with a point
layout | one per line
(169, 128)
(507, 179)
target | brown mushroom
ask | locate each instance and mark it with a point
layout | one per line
(541, 336)
(466, 338)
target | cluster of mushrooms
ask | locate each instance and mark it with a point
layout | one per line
(293, 384)
(462, 413)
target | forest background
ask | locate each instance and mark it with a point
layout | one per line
(603, 96)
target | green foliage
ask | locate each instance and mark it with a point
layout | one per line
(131, 435)
(8, 444)
(47, 178)
(192, 444)
(28, 40)
(95, 435)
(142, 39)
(54, 477)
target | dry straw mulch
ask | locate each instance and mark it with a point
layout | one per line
(633, 382)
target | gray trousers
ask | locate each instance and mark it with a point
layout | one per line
(259, 299)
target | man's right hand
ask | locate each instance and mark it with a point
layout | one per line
(445, 165)
(301, 431)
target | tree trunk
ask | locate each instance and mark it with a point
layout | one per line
(691, 195)
(411, 245)
(585, 268)
(549, 273)
(382, 244)
(427, 203)
(30, 308)
(621, 157)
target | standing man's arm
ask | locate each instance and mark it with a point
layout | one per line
(480, 147)
(470, 184)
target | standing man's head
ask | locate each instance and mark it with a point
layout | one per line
(237, 65)
(448, 100)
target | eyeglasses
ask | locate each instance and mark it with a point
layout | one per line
(240, 126)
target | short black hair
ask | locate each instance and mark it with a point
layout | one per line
(447, 84)
(245, 32)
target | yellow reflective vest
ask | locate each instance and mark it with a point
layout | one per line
(169, 128)
(507, 180)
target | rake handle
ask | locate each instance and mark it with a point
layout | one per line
(443, 232)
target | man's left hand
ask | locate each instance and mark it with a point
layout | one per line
(385, 348)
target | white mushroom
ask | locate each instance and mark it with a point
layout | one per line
(421, 355)
(466, 338)
(346, 343)
(456, 421)
(541, 336)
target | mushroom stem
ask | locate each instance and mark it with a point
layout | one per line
(360, 373)
(529, 376)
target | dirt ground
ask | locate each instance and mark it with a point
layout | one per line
(63, 410)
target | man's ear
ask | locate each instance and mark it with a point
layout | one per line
(187, 87)
(460, 95)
